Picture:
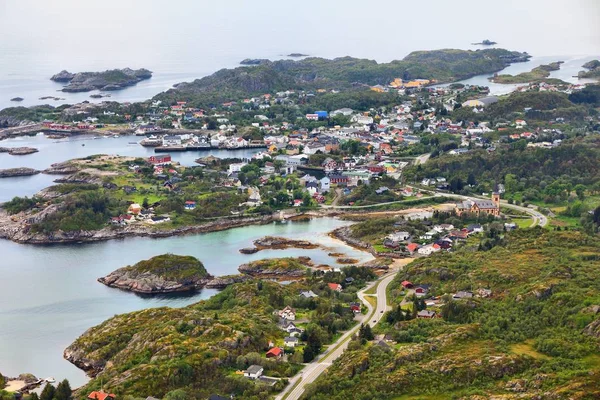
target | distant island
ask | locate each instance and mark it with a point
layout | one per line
(297, 55)
(593, 70)
(166, 273)
(17, 99)
(254, 61)
(114, 79)
(535, 75)
(485, 42)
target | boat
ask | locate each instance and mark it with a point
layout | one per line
(83, 144)
(50, 380)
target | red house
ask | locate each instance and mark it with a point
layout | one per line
(160, 159)
(335, 286)
(275, 352)
(101, 396)
(407, 285)
(376, 169)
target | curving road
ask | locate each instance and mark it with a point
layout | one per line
(314, 369)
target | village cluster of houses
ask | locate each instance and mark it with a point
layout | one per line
(433, 303)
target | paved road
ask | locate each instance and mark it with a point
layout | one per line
(315, 368)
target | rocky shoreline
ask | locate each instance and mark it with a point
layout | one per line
(345, 235)
(277, 243)
(114, 79)
(20, 232)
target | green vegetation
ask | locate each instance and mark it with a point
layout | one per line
(559, 175)
(340, 73)
(537, 334)
(593, 70)
(535, 75)
(198, 349)
(170, 266)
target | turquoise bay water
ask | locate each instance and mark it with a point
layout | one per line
(49, 294)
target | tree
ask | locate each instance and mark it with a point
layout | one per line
(510, 183)
(308, 354)
(48, 392)
(63, 391)
(580, 191)
(145, 203)
(34, 396)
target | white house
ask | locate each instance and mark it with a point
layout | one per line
(429, 249)
(288, 313)
(290, 341)
(325, 184)
(253, 372)
(235, 168)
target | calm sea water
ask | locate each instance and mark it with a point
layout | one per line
(49, 294)
(194, 38)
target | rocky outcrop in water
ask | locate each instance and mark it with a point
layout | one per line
(166, 273)
(61, 169)
(17, 99)
(278, 268)
(274, 242)
(10, 172)
(113, 79)
(221, 282)
(18, 151)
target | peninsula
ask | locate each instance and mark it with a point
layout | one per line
(592, 70)
(113, 79)
(535, 75)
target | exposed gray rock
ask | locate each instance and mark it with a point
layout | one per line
(10, 172)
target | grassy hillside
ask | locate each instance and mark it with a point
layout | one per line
(198, 349)
(536, 336)
(170, 266)
(340, 73)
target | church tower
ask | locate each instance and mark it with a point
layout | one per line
(496, 198)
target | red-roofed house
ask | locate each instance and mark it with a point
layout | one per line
(101, 396)
(335, 286)
(275, 352)
(407, 284)
(412, 247)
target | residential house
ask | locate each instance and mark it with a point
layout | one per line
(288, 313)
(100, 395)
(190, 205)
(412, 247)
(335, 286)
(134, 208)
(275, 352)
(422, 290)
(235, 168)
(407, 284)
(325, 184)
(338, 179)
(429, 249)
(426, 314)
(253, 372)
(308, 294)
(462, 295)
(290, 341)
(355, 307)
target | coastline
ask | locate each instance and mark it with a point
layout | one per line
(20, 235)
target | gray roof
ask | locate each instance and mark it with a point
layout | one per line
(254, 369)
(485, 203)
(290, 339)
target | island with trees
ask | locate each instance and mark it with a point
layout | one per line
(114, 79)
